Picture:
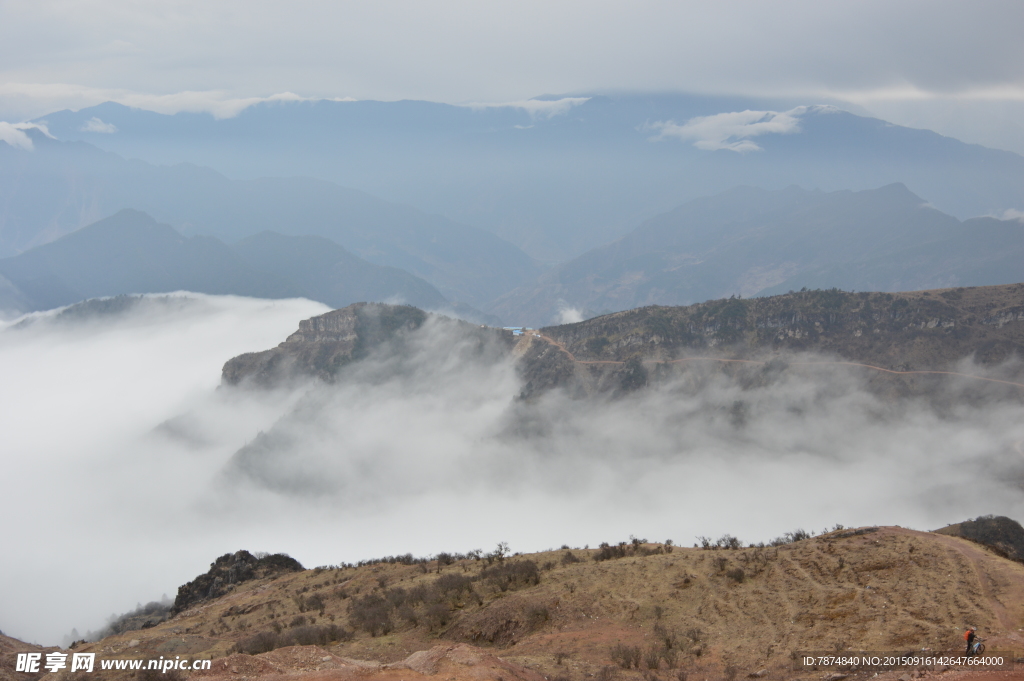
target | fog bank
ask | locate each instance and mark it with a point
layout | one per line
(130, 471)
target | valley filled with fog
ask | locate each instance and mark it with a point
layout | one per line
(130, 467)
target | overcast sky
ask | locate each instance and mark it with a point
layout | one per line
(953, 65)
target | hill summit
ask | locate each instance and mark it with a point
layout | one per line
(633, 609)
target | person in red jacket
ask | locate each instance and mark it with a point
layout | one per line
(969, 637)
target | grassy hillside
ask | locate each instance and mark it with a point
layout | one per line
(635, 609)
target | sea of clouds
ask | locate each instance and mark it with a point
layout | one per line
(129, 468)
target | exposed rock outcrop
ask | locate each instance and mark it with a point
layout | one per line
(229, 569)
(324, 344)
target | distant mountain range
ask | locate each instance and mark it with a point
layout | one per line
(132, 253)
(58, 187)
(748, 242)
(558, 177)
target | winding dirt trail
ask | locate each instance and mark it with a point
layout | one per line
(983, 565)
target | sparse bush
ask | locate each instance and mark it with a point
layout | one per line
(265, 641)
(568, 558)
(652, 658)
(372, 614)
(608, 552)
(453, 584)
(727, 541)
(736, 574)
(548, 565)
(791, 537)
(607, 673)
(538, 615)
(512, 575)
(297, 621)
(720, 563)
(418, 594)
(560, 656)
(408, 615)
(396, 597)
(316, 602)
(671, 657)
(437, 615)
(625, 656)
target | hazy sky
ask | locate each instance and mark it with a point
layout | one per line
(955, 66)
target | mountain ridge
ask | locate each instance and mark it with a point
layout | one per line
(131, 253)
(58, 187)
(572, 178)
(751, 241)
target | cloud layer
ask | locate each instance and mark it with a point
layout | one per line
(179, 54)
(137, 470)
(732, 130)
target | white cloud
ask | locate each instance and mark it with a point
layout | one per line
(96, 125)
(1013, 214)
(732, 130)
(30, 100)
(569, 315)
(537, 108)
(14, 134)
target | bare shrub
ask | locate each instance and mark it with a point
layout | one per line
(418, 594)
(396, 597)
(263, 642)
(625, 656)
(316, 602)
(437, 615)
(652, 658)
(606, 673)
(560, 656)
(453, 584)
(537, 615)
(568, 558)
(297, 621)
(408, 615)
(372, 614)
(736, 574)
(513, 574)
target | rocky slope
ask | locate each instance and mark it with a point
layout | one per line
(323, 345)
(895, 332)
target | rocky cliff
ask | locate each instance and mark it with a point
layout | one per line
(228, 570)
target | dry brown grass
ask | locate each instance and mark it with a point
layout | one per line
(891, 588)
